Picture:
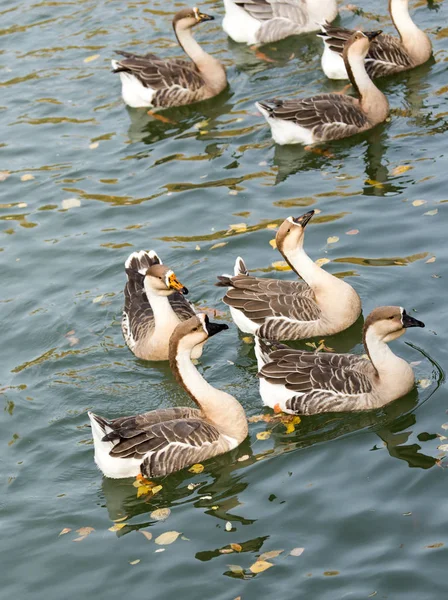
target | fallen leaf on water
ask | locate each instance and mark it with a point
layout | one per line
(260, 565)
(332, 239)
(331, 573)
(65, 530)
(352, 232)
(273, 243)
(270, 554)
(243, 458)
(424, 383)
(27, 177)
(439, 545)
(143, 490)
(322, 261)
(281, 265)
(290, 424)
(197, 248)
(117, 526)
(297, 551)
(233, 193)
(147, 534)
(401, 169)
(73, 340)
(160, 514)
(134, 562)
(120, 519)
(228, 526)
(93, 145)
(431, 213)
(247, 340)
(431, 260)
(167, 538)
(238, 227)
(263, 435)
(418, 202)
(445, 426)
(70, 203)
(219, 245)
(156, 489)
(85, 531)
(4, 175)
(197, 468)
(236, 569)
(159, 550)
(91, 58)
(226, 551)
(374, 182)
(272, 226)
(443, 447)
(236, 547)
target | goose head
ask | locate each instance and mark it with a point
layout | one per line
(188, 18)
(388, 323)
(194, 331)
(162, 281)
(291, 233)
(358, 44)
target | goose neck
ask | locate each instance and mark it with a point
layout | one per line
(161, 307)
(387, 364)
(415, 41)
(373, 102)
(305, 267)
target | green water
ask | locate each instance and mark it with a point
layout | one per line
(363, 494)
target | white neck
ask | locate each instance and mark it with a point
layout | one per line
(311, 273)
(393, 371)
(415, 40)
(373, 102)
(219, 408)
(161, 307)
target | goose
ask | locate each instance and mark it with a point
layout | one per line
(154, 304)
(266, 21)
(305, 383)
(387, 54)
(321, 304)
(330, 116)
(163, 441)
(148, 80)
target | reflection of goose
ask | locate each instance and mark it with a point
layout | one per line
(276, 309)
(148, 80)
(160, 442)
(330, 116)
(387, 54)
(154, 304)
(266, 21)
(302, 382)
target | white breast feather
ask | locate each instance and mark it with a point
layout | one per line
(239, 25)
(333, 64)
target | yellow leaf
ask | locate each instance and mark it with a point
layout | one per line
(439, 545)
(120, 519)
(167, 538)
(91, 58)
(273, 243)
(247, 340)
(281, 265)
(352, 232)
(219, 245)
(270, 554)
(134, 562)
(375, 183)
(156, 489)
(94, 145)
(431, 260)
(418, 202)
(297, 551)
(160, 514)
(272, 226)
(243, 458)
(263, 435)
(238, 227)
(236, 569)
(197, 468)
(236, 547)
(147, 534)
(228, 526)
(117, 526)
(401, 169)
(333, 239)
(260, 565)
(322, 261)
(27, 177)
(431, 213)
(424, 383)
(65, 530)
(143, 490)
(85, 531)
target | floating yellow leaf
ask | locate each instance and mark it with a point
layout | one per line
(331, 573)
(197, 468)
(431, 260)
(144, 490)
(147, 534)
(238, 227)
(65, 530)
(4, 175)
(270, 554)
(333, 239)
(167, 538)
(439, 545)
(374, 182)
(424, 383)
(91, 58)
(219, 245)
(134, 562)
(85, 531)
(431, 213)
(117, 526)
(352, 232)
(263, 435)
(27, 177)
(291, 424)
(120, 519)
(236, 547)
(94, 145)
(247, 340)
(243, 458)
(161, 514)
(272, 226)
(322, 261)
(70, 203)
(228, 526)
(418, 202)
(198, 247)
(297, 551)
(260, 565)
(273, 243)
(226, 551)
(156, 489)
(281, 265)
(401, 169)
(236, 569)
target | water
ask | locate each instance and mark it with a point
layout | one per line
(362, 494)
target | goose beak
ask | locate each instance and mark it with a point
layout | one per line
(214, 328)
(174, 284)
(408, 321)
(372, 34)
(304, 219)
(203, 17)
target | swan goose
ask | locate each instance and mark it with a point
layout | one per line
(321, 304)
(163, 441)
(154, 304)
(148, 80)
(387, 54)
(300, 382)
(330, 116)
(266, 21)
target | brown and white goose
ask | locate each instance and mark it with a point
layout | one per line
(387, 54)
(154, 304)
(330, 116)
(307, 383)
(148, 80)
(266, 21)
(321, 304)
(162, 441)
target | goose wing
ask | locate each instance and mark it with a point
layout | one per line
(158, 74)
(165, 446)
(328, 116)
(264, 10)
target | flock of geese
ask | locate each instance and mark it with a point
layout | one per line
(160, 324)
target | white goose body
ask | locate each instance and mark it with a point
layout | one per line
(163, 441)
(290, 310)
(299, 382)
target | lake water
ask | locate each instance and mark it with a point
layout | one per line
(362, 496)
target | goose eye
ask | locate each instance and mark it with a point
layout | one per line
(289, 230)
(392, 317)
(195, 328)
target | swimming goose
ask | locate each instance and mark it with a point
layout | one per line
(321, 304)
(148, 80)
(387, 54)
(330, 116)
(154, 304)
(300, 382)
(266, 21)
(162, 441)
